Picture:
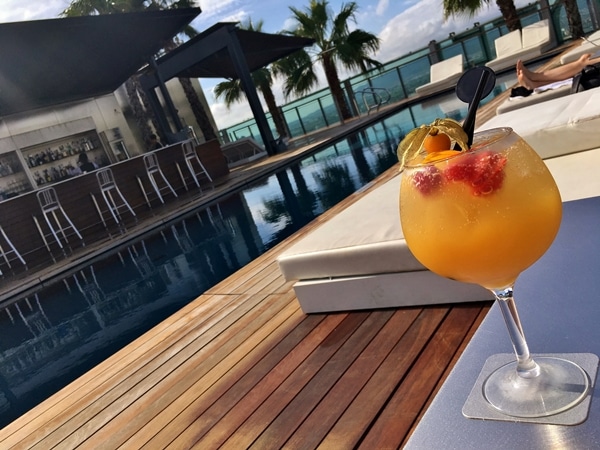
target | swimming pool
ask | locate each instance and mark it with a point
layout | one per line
(59, 332)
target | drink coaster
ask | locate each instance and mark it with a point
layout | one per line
(477, 407)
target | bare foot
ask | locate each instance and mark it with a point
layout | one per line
(524, 80)
(532, 76)
(586, 60)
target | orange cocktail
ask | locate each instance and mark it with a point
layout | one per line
(480, 216)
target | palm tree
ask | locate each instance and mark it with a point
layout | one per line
(232, 91)
(137, 99)
(574, 18)
(336, 44)
(470, 7)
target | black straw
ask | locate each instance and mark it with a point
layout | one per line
(469, 123)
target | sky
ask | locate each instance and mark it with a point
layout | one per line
(401, 25)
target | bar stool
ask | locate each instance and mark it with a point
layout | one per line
(6, 253)
(194, 165)
(50, 206)
(108, 186)
(152, 169)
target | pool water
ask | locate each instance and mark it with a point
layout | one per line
(61, 331)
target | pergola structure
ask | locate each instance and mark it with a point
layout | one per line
(55, 61)
(222, 51)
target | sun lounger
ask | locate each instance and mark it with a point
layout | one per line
(539, 95)
(359, 260)
(443, 75)
(530, 42)
(591, 45)
(557, 127)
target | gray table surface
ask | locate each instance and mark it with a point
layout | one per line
(558, 299)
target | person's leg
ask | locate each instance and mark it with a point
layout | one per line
(559, 73)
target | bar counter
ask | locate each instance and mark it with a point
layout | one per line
(558, 301)
(75, 195)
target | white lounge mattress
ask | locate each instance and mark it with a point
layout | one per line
(556, 127)
(592, 45)
(512, 103)
(364, 239)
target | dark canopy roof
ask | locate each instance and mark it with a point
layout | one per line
(48, 62)
(223, 51)
(212, 58)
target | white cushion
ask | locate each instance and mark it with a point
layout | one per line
(443, 75)
(365, 238)
(557, 127)
(536, 35)
(512, 103)
(508, 44)
(437, 86)
(444, 69)
(359, 260)
(585, 47)
(526, 44)
(509, 61)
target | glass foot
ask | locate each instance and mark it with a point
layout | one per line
(560, 385)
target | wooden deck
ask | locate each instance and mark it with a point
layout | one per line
(242, 366)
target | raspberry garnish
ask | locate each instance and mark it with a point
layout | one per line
(461, 170)
(484, 172)
(427, 180)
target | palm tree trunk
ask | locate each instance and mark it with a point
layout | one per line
(140, 114)
(333, 80)
(199, 112)
(278, 119)
(574, 18)
(509, 12)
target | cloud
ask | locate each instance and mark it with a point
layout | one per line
(382, 6)
(20, 11)
(413, 29)
(227, 117)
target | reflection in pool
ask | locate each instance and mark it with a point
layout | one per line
(59, 332)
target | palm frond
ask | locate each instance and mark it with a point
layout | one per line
(230, 91)
(457, 8)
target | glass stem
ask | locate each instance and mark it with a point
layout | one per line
(526, 366)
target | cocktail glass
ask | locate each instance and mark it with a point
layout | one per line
(483, 216)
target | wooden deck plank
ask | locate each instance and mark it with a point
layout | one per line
(279, 416)
(271, 274)
(404, 406)
(227, 380)
(230, 407)
(177, 380)
(356, 420)
(248, 415)
(314, 429)
(325, 410)
(466, 339)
